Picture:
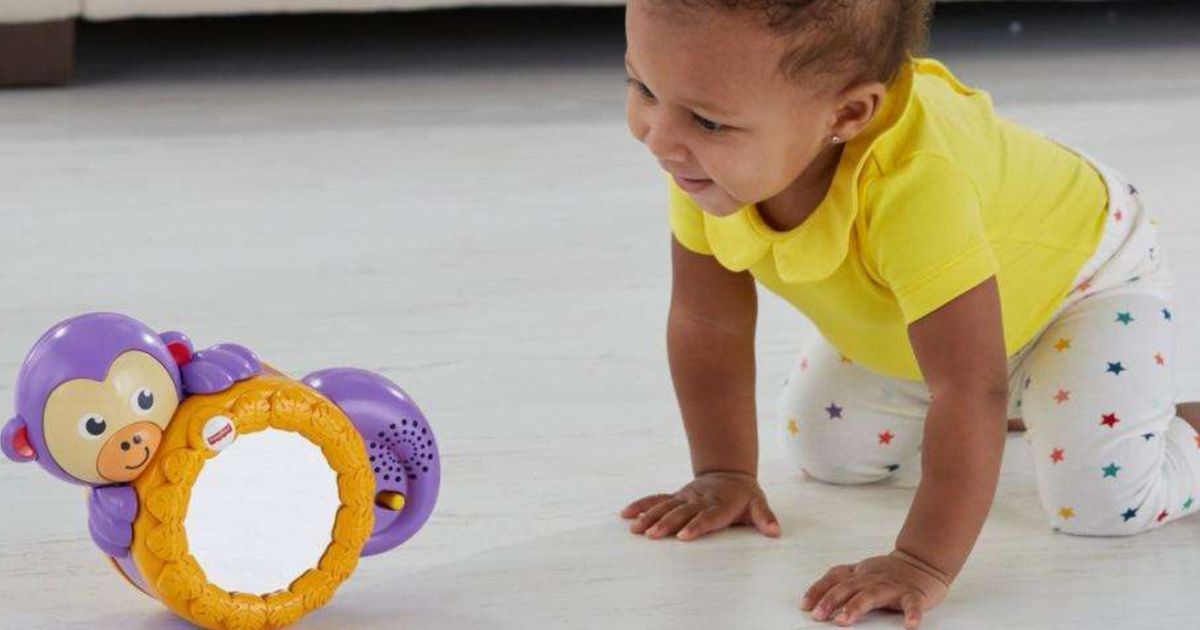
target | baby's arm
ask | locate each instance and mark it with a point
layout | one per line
(961, 351)
(710, 342)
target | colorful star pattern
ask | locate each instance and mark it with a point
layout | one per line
(893, 467)
(1129, 514)
(792, 428)
(1115, 368)
(1159, 358)
(1063, 344)
(1124, 317)
(1111, 470)
(1062, 396)
(1147, 436)
(1162, 516)
(1110, 420)
(886, 437)
(1166, 314)
(1067, 513)
(1084, 286)
(833, 410)
(1057, 455)
(1187, 505)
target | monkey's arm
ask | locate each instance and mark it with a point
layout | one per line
(111, 511)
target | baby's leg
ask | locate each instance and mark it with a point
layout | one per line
(1110, 454)
(842, 423)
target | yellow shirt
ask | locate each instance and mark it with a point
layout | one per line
(939, 194)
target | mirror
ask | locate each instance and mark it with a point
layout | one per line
(262, 512)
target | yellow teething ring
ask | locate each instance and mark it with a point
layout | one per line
(160, 546)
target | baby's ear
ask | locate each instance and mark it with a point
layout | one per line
(15, 444)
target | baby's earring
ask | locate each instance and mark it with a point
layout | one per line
(835, 139)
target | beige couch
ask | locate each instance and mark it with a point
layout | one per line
(37, 37)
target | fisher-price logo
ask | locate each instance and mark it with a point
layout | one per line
(219, 433)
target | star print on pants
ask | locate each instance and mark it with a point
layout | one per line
(1124, 317)
(1110, 420)
(792, 428)
(1062, 396)
(1056, 455)
(1063, 344)
(893, 467)
(1147, 436)
(1166, 314)
(1066, 513)
(1111, 470)
(1159, 358)
(1188, 504)
(1162, 516)
(1129, 514)
(1115, 368)
(833, 410)
(886, 437)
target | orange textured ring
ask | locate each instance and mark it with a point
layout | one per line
(202, 426)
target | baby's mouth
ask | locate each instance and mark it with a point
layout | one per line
(143, 462)
(690, 184)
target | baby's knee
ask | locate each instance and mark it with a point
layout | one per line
(1085, 508)
(826, 458)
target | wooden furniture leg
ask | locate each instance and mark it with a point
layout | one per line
(37, 53)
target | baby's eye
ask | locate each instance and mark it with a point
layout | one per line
(92, 426)
(707, 125)
(142, 401)
(642, 89)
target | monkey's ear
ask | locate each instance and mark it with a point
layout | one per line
(15, 441)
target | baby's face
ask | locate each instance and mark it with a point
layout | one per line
(707, 98)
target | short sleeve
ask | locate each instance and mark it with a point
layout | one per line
(925, 232)
(687, 222)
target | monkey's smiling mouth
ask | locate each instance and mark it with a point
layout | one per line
(143, 462)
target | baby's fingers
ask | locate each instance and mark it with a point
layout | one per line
(835, 598)
(708, 520)
(910, 603)
(864, 602)
(673, 521)
(641, 505)
(832, 578)
(763, 518)
(648, 518)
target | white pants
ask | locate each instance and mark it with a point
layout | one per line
(1095, 388)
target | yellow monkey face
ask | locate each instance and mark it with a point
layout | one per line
(105, 432)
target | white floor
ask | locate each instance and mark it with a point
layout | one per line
(466, 214)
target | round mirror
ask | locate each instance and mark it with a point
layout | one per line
(263, 512)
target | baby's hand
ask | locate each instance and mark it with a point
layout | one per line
(711, 502)
(896, 582)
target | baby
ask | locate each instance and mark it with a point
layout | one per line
(963, 274)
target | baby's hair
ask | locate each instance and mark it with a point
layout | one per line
(858, 40)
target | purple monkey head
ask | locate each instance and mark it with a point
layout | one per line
(96, 392)
(86, 347)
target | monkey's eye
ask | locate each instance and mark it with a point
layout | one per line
(142, 401)
(92, 426)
